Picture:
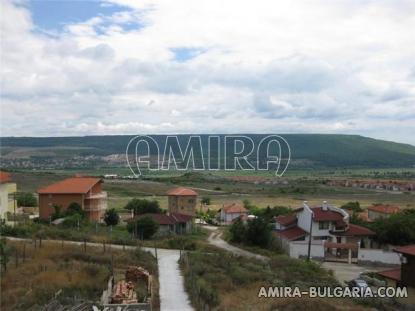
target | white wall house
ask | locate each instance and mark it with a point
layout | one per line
(229, 212)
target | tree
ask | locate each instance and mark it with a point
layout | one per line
(237, 231)
(144, 227)
(398, 229)
(142, 206)
(111, 217)
(353, 206)
(26, 199)
(258, 232)
(205, 200)
(74, 208)
(57, 212)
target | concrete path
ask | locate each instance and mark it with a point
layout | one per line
(215, 238)
(172, 293)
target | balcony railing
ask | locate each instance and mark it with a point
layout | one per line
(100, 195)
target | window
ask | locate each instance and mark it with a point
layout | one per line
(323, 225)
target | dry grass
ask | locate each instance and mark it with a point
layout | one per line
(51, 268)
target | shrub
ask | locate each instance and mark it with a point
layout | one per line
(146, 227)
(111, 217)
(26, 199)
(75, 208)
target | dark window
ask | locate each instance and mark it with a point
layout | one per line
(323, 225)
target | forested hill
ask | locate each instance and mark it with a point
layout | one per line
(323, 150)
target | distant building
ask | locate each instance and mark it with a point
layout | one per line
(174, 223)
(86, 191)
(332, 236)
(377, 211)
(229, 212)
(7, 199)
(182, 201)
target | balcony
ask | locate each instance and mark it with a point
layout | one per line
(96, 196)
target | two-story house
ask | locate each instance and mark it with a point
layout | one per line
(324, 231)
(182, 201)
(86, 191)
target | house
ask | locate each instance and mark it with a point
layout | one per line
(174, 223)
(182, 200)
(405, 274)
(229, 212)
(324, 230)
(379, 210)
(86, 191)
(7, 199)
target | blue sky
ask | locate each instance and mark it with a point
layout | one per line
(154, 66)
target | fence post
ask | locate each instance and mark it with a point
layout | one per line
(103, 245)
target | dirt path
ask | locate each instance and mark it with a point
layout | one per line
(215, 238)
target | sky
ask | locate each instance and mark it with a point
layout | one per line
(73, 68)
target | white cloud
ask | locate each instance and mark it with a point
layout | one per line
(259, 66)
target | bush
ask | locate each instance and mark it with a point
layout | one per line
(111, 217)
(205, 200)
(146, 227)
(26, 199)
(237, 231)
(142, 206)
(75, 208)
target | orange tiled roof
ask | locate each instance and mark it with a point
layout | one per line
(384, 209)
(71, 185)
(234, 208)
(181, 191)
(286, 219)
(291, 234)
(355, 230)
(4, 177)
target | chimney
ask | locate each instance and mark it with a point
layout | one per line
(325, 206)
(305, 203)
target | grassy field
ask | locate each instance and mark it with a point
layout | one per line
(211, 281)
(222, 190)
(35, 275)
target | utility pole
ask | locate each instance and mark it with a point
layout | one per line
(310, 236)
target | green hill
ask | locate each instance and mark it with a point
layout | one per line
(317, 150)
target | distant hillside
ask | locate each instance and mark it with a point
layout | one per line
(317, 150)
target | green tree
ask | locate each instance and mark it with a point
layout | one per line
(142, 206)
(4, 254)
(258, 232)
(398, 229)
(75, 208)
(205, 200)
(237, 231)
(353, 206)
(111, 217)
(57, 212)
(144, 227)
(26, 199)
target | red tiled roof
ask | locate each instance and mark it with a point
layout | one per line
(4, 177)
(355, 230)
(408, 249)
(71, 185)
(181, 191)
(384, 209)
(286, 219)
(234, 208)
(394, 274)
(328, 215)
(161, 219)
(291, 234)
(181, 217)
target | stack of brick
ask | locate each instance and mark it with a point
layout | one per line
(123, 293)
